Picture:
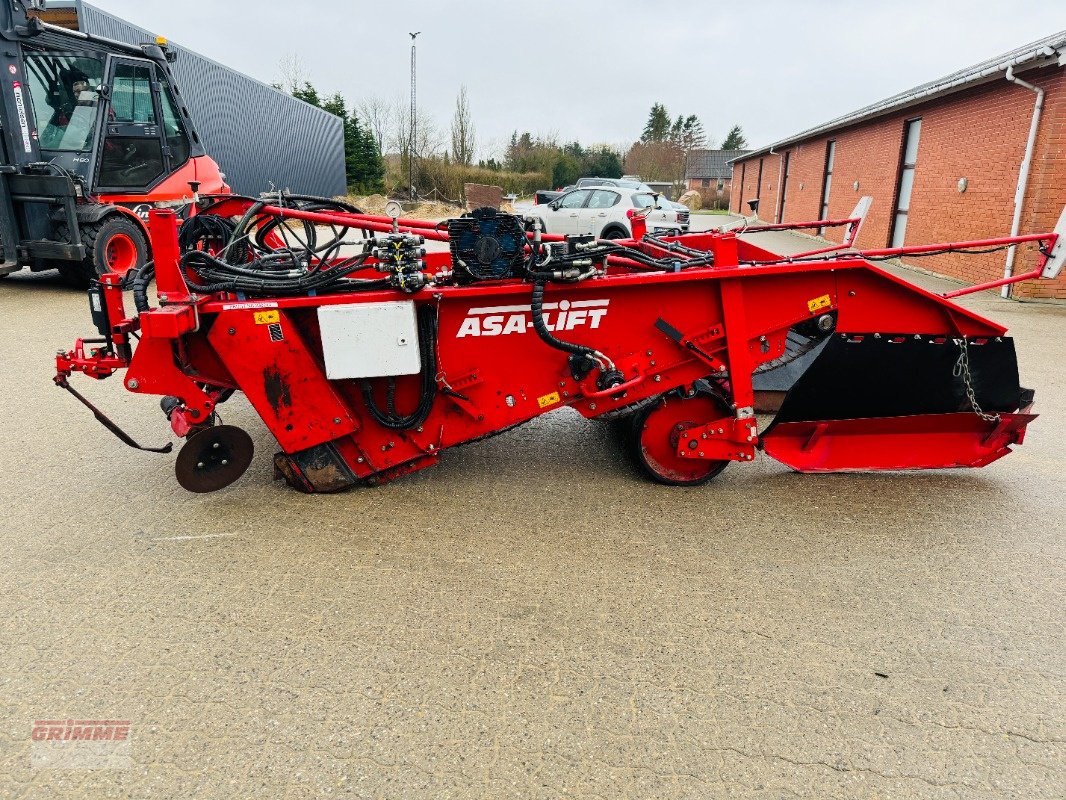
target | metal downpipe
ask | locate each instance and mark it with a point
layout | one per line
(1023, 173)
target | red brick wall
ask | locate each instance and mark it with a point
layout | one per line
(767, 192)
(1046, 196)
(696, 184)
(740, 177)
(978, 134)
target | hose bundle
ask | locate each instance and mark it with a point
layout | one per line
(263, 254)
(390, 418)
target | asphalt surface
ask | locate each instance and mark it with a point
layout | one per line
(528, 619)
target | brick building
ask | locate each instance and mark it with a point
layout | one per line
(943, 162)
(710, 169)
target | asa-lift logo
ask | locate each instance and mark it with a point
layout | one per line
(566, 315)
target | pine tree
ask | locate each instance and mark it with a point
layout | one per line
(510, 157)
(308, 94)
(364, 165)
(677, 128)
(657, 128)
(364, 169)
(693, 136)
(334, 104)
(735, 139)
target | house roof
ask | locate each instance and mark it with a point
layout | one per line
(711, 163)
(1043, 52)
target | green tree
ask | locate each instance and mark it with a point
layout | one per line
(601, 163)
(307, 93)
(334, 104)
(691, 134)
(657, 128)
(364, 167)
(566, 170)
(735, 139)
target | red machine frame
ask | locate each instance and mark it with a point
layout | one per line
(686, 343)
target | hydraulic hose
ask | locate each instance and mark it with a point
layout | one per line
(141, 279)
(427, 337)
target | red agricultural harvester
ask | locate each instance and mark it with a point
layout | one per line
(366, 367)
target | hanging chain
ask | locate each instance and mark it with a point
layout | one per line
(962, 370)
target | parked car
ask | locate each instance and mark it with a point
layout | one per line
(681, 210)
(605, 212)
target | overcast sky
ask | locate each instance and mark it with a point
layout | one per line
(590, 69)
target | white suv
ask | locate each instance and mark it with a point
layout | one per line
(604, 212)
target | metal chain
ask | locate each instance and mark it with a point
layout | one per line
(962, 370)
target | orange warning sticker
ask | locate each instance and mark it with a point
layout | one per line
(267, 317)
(818, 303)
(549, 400)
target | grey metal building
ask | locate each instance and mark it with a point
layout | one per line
(260, 137)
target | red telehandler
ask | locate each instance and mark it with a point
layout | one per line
(366, 366)
(95, 135)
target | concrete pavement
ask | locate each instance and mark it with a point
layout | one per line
(528, 619)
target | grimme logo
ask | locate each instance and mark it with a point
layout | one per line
(566, 315)
(81, 744)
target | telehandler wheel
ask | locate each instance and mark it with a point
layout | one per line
(661, 427)
(114, 244)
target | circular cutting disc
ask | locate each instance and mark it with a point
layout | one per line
(213, 458)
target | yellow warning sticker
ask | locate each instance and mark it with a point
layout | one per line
(818, 303)
(549, 400)
(267, 317)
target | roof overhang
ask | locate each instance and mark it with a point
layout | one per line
(1048, 52)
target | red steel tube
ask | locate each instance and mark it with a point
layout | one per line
(980, 287)
(370, 222)
(788, 226)
(366, 222)
(932, 248)
(827, 223)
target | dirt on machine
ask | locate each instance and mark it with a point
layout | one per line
(95, 135)
(369, 366)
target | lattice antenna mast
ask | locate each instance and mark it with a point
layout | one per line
(414, 117)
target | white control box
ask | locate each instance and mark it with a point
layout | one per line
(369, 340)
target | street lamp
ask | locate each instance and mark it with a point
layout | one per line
(414, 124)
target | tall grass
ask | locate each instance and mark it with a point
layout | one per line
(443, 180)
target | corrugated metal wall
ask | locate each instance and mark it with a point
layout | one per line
(258, 135)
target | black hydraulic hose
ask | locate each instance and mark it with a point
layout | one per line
(283, 275)
(238, 230)
(141, 279)
(537, 313)
(427, 329)
(537, 308)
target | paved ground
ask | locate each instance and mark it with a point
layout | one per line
(529, 619)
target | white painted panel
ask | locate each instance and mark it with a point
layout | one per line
(369, 340)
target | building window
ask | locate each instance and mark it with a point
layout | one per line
(706, 182)
(905, 184)
(827, 180)
(758, 183)
(740, 194)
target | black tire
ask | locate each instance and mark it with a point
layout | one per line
(101, 239)
(615, 233)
